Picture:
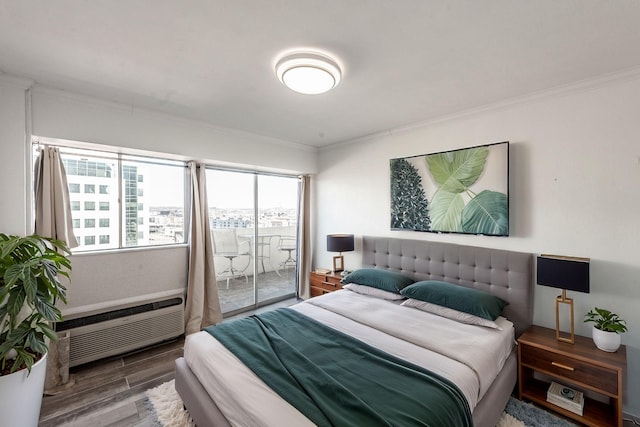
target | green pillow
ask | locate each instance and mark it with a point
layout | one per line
(457, 297)
(382, 279)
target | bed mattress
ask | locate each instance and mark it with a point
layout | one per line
(469, 356)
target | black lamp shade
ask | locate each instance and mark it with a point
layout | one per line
(339, 242)
(567, 273)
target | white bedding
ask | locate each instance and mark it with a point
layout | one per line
(470, 356)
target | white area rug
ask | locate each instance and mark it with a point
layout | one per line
(166, 405)
(507, 420)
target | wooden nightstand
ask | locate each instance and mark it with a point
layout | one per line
(324, 283)
(597, 373)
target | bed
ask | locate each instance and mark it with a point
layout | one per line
(248, 401)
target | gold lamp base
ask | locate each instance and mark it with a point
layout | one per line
(562, 299)
(338, 263)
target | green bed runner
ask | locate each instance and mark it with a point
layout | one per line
(336, 380)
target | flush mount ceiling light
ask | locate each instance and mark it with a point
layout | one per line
(310, 73)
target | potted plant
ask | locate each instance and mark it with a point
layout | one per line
(606, 329)
(29, 290)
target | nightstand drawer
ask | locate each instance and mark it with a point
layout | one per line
(581, 372)
(324, 283)
(316, 292)
(328, 285)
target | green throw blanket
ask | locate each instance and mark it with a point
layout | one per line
(336, 380)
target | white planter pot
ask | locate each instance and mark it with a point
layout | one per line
(606, 341)
(21, 395)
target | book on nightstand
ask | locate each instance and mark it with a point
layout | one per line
(566, 397)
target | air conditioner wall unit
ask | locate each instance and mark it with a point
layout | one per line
(112, 333)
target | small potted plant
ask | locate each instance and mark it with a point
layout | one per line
(30, 287)
(607, 328)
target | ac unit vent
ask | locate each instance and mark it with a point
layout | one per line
(116, 314)
(127, 333)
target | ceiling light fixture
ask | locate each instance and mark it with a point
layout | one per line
(310, 73)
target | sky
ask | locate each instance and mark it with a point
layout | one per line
(225, 190)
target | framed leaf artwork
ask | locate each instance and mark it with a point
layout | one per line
(458, 191)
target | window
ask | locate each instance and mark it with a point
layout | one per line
(123, 195)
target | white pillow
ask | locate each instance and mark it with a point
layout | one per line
(373, 292)
(450, 313)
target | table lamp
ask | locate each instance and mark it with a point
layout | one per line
(339, 243)
(568, 274)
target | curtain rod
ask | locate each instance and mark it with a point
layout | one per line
(116, 156)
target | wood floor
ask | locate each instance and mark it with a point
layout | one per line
(111, 392)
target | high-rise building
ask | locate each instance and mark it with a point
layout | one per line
(93, 190)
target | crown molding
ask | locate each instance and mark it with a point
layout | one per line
(585, 85)
(20, 82)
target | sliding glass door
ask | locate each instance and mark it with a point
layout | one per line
(253, 221)
(277, 236)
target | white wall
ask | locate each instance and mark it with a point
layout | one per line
(574, 190)
(13, 170)
(58, 114)
(120, 277)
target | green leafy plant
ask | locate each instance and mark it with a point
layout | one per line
(29, 290)
(606, 320)
(409, 204)
(454, 173)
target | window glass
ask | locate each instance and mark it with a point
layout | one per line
(260, 237)
(152, 192)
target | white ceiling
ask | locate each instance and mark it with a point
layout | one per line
(404, 61)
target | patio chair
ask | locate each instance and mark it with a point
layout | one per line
(288, 244)
(226, 245)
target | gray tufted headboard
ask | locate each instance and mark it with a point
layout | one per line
(506, 274)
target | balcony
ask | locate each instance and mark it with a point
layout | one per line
(274, 262)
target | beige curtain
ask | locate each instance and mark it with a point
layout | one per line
(304, 236)
(53, 207)
(203, 305)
